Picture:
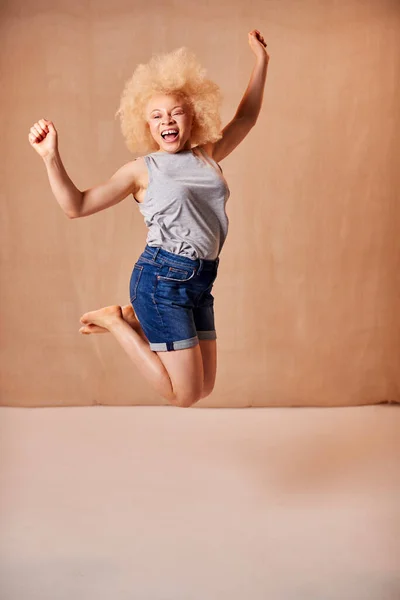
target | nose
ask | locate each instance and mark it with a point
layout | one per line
(167, 119)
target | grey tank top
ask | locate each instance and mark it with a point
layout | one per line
(184, 204)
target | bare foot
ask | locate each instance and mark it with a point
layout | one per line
(104, 317)
(128, 314)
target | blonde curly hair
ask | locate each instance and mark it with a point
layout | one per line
(178, 73)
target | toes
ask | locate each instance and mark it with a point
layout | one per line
(92, 328)
(86, 318)
(88, 328)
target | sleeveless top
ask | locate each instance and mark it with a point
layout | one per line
(184, 204)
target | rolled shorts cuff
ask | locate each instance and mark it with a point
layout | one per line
(207, 335)
(179, 345)
(182, 344)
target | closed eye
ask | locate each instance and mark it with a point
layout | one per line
(157, 116)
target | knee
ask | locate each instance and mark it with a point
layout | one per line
(188, 400)
(206, 392)
(185, 402)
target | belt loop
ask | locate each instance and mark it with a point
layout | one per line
(157, 250)
(201, 265)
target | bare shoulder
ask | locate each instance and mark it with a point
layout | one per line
(212, 149)
(133, 169)
(138, 165)
(208, 148)
(139, 170)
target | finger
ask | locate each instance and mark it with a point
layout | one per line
(44, 125)
(35, 135)
(34, 139)
(36, 131)
(40, 127)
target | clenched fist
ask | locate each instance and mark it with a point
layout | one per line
(43, 137)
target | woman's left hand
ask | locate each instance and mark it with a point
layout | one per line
(258, 45)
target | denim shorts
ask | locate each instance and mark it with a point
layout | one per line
(171, 296)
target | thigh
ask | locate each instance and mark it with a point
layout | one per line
(185, 369)
(204, 319)
(209, 356)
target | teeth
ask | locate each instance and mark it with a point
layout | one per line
(169, 131)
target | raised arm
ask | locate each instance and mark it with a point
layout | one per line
(74, 202)
(102, 196)
(250, 105)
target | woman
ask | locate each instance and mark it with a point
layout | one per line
(171, 109)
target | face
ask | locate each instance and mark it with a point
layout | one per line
(165, 112)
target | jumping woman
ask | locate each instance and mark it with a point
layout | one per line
(169, 113)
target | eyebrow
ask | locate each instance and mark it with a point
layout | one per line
(154, 109)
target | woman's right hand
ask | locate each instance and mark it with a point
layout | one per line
(43, 137)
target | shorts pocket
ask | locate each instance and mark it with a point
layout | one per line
(134, 282)
(174, 274)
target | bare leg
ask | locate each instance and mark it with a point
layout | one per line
(137, 348)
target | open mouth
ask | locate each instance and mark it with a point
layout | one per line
(170, 135)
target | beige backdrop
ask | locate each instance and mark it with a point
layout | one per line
(308, 293)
